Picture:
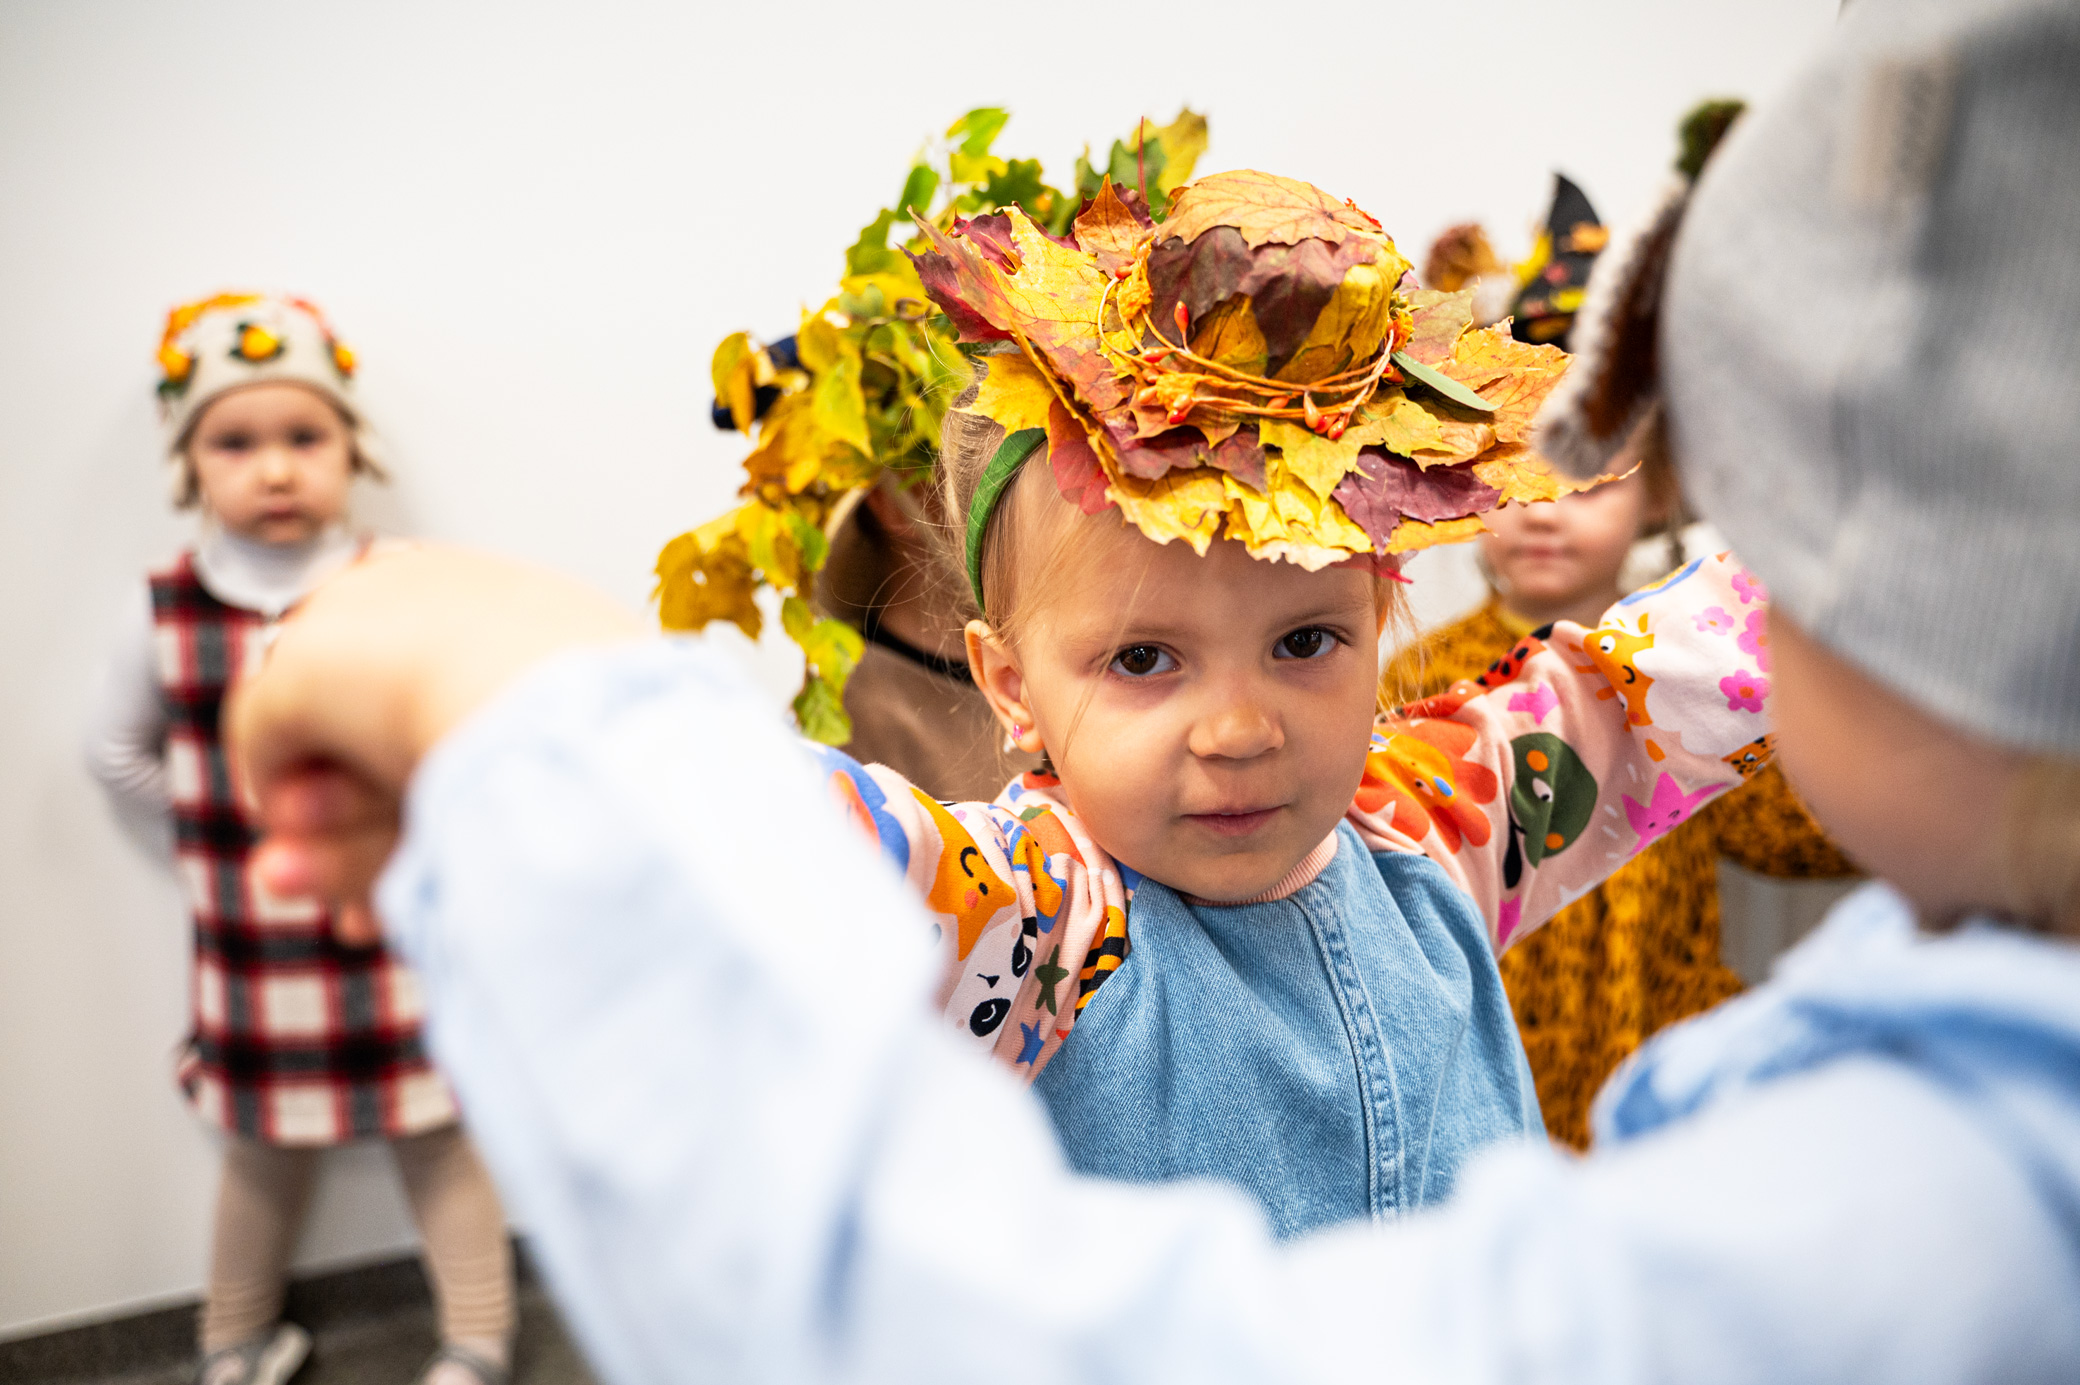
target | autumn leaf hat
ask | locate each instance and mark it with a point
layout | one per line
(1260, 364)
(858, 392)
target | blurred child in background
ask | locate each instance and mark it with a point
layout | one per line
(299, 1042)
(1642, 950)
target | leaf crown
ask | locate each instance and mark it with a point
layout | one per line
(859, 392)
(1259, 364)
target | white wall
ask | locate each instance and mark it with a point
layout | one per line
(533, 221)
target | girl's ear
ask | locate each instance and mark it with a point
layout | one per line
(997, 674)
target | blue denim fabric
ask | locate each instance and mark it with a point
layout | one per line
(1337, 1054)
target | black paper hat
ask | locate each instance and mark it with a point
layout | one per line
(1554, 279)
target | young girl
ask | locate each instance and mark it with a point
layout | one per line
(1239, 931)
(1641, 950)
(746, 1155)
(298, 1042)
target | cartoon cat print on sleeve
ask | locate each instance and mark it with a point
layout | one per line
(1031, 915)
(1578, 748)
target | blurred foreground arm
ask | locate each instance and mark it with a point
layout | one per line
(687, 1008)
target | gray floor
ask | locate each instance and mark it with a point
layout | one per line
(371, 1326)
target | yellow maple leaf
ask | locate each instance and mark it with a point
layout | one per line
(1412, 534)
(1229, 335)
(1184, 503)
(1184, 140)
(1407, 427)
(1523, 476)
(1310, 457)
(1514, 376)
(1013, 393)
(1265, 208)
(706, 575)
(1289, 522)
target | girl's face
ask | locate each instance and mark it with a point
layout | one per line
(1556, 553)
(1209, 717)
(272, 462)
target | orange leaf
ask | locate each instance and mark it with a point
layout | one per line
(1522, 475)
(1111, 230)
(1412, 534)
(1513, 376)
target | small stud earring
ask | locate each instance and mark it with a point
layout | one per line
(1011, 741)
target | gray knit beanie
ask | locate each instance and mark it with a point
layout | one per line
(1869, 355)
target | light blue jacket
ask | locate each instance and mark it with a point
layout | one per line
(746, 1150)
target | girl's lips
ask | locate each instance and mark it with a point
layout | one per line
(1232, 824)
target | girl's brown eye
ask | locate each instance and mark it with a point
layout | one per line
(1310, 643)
(1141, 660)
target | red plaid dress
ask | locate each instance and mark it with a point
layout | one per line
(297, 1040)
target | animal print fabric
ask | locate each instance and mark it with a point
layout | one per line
(1641, 950)
(1580, 749)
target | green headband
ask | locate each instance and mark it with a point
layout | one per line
(1011, 455)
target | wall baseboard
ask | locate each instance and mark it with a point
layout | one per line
(163, 1339)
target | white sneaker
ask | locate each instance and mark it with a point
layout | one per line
(269, 1359)
(458, 1365)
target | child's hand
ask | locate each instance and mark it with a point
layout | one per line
(370, 673)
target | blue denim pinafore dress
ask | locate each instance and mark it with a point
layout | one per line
(1337, 1054)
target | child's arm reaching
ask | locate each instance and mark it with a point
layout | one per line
(745, 1151)
(1578, 748)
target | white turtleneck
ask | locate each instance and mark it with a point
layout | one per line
(126, 728)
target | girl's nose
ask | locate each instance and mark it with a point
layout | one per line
(1238, 727)
(275, 467)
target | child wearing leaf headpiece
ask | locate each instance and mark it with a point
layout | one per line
(1642, 950)
(1241, 929)
(839, 503)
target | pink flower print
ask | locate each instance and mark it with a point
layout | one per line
(1667, 810)
(1747, 588)
(1744, 691)
(1507, 920)
(1713, 620)
(1537, 702)
(1754, 639)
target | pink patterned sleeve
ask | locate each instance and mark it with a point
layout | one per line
(1031, 914)
(1579, 748)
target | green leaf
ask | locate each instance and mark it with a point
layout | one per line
(809, 541)
(833, 650)
(1441, 383)
(819, 710)
(918, 191)
(1088, 179)
(796, 618)
(1124, 170)
(1020, 183)
(978, 129)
